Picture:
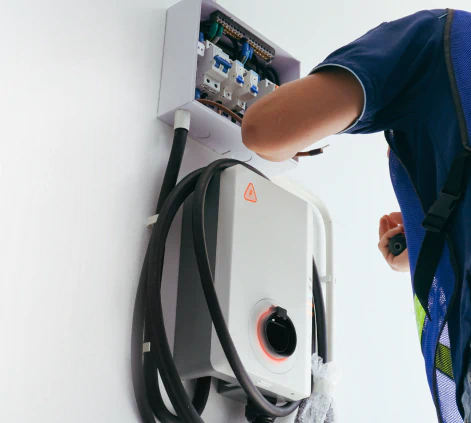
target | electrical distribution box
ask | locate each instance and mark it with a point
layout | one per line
(197, 64)
(259, 240)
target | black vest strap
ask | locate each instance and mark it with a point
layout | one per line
(435, 223)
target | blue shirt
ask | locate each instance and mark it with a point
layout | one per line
(402, 68)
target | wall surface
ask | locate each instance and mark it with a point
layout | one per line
(81, 162)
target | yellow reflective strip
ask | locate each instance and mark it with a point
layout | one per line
(419, 316)
(443, 360)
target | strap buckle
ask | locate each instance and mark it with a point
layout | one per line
(440, 211)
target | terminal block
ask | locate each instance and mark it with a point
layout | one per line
(238, 32)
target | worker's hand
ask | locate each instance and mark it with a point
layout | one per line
(389, 226)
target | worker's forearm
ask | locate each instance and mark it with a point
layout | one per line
(302, 112)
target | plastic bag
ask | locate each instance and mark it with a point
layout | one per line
(319, 407)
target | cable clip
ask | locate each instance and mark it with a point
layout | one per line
(326, 279)
(152, 220)
(145, 347)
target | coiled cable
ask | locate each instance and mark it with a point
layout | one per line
(148, 314)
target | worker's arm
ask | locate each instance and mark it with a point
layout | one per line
(302, 112)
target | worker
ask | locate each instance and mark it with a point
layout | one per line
(410, 78)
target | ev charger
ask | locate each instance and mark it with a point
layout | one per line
(259, 241)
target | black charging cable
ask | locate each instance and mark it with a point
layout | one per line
(144, 366)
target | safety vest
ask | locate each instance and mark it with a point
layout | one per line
(438, 231)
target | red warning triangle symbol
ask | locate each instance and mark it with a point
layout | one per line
(250, 194)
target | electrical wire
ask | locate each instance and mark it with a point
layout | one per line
(319, 326)
(235, 43)
(254, 59)
(144, 369)
(310, 153)
(168, 372)
(171, 173)
(218, 34)
(227, 48)
(320, 315)
(274, 74)
(232, 114)
(212, 31)
(154, 396)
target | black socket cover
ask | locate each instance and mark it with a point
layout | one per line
(280, 333)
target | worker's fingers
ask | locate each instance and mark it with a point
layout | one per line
(383, 226)
(399, 263)
(396, 218)
(389, 234)
(383, 244)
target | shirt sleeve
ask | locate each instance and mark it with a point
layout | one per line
(395, 64)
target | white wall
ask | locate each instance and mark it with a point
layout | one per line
(81, 161)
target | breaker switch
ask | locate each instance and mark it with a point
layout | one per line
(222, 64)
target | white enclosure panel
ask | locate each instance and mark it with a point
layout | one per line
(177, 86)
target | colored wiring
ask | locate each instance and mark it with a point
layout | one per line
(310, 153)
(228, 49)
(257, 64)
(218, 34)
(222, 108)
(235, 43)
(213, 29)
(245, 52)
(275, 78)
